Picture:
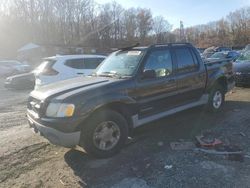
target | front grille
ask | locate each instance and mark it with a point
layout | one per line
(36, 106)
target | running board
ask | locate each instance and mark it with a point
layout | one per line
(138, 122)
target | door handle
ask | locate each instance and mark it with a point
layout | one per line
(80, 73)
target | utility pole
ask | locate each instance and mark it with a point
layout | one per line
(182, 34)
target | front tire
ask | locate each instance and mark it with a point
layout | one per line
(104, 134)
(216, 98)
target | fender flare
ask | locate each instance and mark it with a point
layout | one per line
(213, 79)
(98, 102)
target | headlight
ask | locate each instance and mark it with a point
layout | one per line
(60, 110)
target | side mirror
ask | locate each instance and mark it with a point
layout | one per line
(149, 74)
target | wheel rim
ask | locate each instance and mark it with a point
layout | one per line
(106, 135)
(217, 99)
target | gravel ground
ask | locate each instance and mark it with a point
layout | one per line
(27, 160)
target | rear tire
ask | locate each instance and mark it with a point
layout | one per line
(216, 98)
(104, 134)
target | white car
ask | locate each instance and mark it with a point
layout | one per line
(59, 68)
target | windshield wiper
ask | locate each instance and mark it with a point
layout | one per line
(111, 74)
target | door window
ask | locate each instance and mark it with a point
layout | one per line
(161, 62)
(75, 63)
(185, 60)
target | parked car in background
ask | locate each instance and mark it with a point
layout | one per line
(208, 52)
(224, 55)
(5, 71)
(234, 55)
(242, 69)
(20, 81)
(15, 67)
(222, 49)
(218, 55)
(58, 68)
(211, 50)
(247, 48)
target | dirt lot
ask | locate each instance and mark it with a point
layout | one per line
(27, 160)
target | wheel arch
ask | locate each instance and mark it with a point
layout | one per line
(125, 109)
(222, 81)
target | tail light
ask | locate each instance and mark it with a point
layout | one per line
(49, 72)
(46, 68)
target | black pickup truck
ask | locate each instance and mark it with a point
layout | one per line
(133, 86)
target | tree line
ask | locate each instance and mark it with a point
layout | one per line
(86, 23)
(231, 31)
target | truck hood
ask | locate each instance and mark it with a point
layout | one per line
(65, 86)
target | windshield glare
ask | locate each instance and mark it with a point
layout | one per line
(122, 63)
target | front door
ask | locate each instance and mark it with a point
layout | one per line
(156, 94)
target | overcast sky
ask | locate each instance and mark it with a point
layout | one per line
(191, 12)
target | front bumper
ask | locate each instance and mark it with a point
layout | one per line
(56, 137)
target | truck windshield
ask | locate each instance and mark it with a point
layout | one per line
(121, 63)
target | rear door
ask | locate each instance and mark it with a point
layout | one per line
(190, 75)
(157, 94)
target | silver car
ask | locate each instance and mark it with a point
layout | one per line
(12, 67)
